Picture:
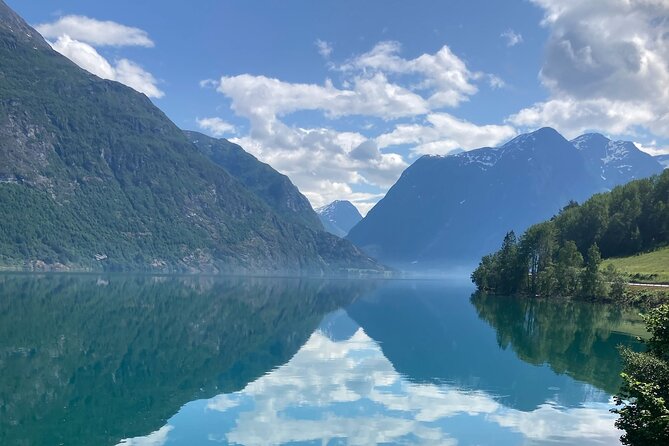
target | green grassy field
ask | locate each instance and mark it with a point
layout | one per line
(652, 267)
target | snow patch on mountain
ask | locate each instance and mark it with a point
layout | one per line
(339, 217)
(616, 162)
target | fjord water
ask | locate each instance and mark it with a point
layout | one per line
(138, 360)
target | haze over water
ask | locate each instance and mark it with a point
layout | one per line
(186, 361)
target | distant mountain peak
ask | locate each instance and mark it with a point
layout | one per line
(337, 204)
(544, 136)
(447, 209)
(547, 132)
(339, 217)
(615, 162)
(545, 140)
(14, 27)
(591, 136)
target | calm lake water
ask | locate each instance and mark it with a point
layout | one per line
(113, 360)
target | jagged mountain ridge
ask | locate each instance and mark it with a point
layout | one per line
(616, 162)
(339, 217)
(454, 209)
(94, 176)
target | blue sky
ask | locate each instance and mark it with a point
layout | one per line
(343, 95)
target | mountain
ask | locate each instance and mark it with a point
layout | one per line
(339, 217)
(453, 209)
(275, 189)
(663, 159)
(615, 162)
(94, 176)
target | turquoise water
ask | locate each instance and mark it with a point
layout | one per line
(88, 360)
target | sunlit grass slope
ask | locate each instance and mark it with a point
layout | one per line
(652, 267)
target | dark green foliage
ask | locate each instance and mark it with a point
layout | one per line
(503, 270)
(94, 176)
(617, 283)
(644, 396)
(592, 282)
(537, 247)
(628, 220)
(569, 264)
(645, 297)
(510, 272)
(631, 218)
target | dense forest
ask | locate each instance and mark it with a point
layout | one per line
(562, 256)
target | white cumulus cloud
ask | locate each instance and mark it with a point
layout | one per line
(76, 37)
(444, 76)
(123, 70)
(260, 97)
(216, 126)
(606, 66)
(442, 132)
(324, 163)
(95, 32)
(327, 162)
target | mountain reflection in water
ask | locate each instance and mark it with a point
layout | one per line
(190, 361)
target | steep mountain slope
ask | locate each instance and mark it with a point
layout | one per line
(272, 187)
(615, 162)
(339, 217)
(93, 175)
(456, 208)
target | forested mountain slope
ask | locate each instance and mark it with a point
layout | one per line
(272, 187)
(94, 176)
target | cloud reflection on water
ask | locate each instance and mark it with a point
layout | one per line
(347, 391)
